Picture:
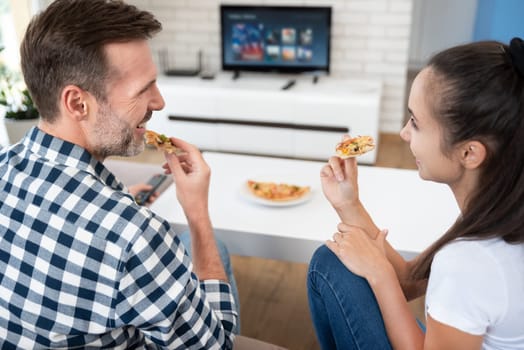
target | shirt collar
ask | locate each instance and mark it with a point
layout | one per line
(69, 154)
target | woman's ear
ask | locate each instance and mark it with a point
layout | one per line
(473, 154)
(75, 102)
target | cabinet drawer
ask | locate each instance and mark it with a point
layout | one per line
(255, 139)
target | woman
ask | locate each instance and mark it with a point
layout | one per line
(466, 130)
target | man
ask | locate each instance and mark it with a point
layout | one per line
(81, 264)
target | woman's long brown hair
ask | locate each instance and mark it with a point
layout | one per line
(479, 95)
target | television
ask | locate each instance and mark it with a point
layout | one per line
(285, 39)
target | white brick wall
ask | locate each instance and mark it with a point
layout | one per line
(370, 39)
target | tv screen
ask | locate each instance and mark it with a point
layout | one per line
(275, 38)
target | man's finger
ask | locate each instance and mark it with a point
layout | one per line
(174, 165)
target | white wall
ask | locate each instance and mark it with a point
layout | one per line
(370, 39)
(439, 24)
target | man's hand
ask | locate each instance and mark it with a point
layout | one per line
(191, 175)
(137, 188)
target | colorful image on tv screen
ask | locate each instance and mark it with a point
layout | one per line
(275, 37)
(248, 42)
(251, 42)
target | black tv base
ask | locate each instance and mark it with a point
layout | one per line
(236, 75)
(289, 84)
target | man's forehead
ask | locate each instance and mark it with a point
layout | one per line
(131, 58)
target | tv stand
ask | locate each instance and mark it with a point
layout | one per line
(236, 75)
(253, 115)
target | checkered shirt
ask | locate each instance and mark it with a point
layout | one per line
(83, 266)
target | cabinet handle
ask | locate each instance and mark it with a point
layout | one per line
(295, 126)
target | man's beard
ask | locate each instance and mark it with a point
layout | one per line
(113, 136)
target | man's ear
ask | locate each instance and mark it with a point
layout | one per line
(473, 154)
(75, 102)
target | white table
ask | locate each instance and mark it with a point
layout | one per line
(416, 212)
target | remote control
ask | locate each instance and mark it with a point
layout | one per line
(143, 196)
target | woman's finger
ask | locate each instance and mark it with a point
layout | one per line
(333, 247)
(336, 166)
(338, 237)
(343, 227)
(326, 171)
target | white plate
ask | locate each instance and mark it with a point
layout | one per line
(246, 193)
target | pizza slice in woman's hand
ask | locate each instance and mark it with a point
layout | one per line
(355, 146)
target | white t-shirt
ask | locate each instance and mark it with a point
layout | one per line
(478, 288)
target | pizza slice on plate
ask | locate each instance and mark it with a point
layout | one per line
(355, 146)
(277, 192)
(161, 142)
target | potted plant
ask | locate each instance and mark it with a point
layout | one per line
(20, 113)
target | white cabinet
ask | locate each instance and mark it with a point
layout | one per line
(254, 115)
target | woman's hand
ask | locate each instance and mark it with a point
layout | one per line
(360, 253)
(191, 175)
(339, 182)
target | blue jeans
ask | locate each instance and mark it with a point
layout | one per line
(185, 238)
(343, 307)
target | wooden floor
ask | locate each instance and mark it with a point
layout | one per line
(273, 299)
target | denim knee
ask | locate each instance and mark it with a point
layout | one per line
(321, 258)
(325, 262)
(326, 265)
(343, 307)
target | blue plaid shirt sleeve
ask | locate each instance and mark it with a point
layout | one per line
(160, 295)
